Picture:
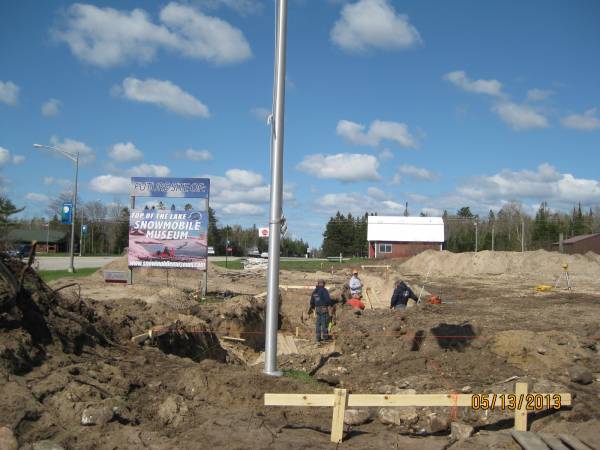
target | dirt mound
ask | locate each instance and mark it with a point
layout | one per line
(34, 319)
(539, 263)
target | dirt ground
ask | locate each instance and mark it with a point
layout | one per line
(71, 377)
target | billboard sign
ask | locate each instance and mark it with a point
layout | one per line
(66, 214)
(170, 187)
(168, 239)
(263, 232)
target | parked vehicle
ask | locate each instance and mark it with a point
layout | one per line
(20, 251)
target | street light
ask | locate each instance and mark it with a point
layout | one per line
(75, 159)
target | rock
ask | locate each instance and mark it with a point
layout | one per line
(581, 375)
(172, 411)
(460, 431)
(541, 350)
(329, 378)
(466, 389)
(46, 445)
(96, 415)
(397, 416)
(356, 416)
(7, 439)
(437, 424)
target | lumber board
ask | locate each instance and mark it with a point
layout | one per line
(231, 338)
(528, 440)
(340, 399)
(573, 442)
(365, 400)
(552, 441)
(299, 400)
(521, 414)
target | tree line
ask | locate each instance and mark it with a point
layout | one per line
(508, 229)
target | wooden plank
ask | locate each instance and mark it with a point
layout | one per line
(553, 442)
(231, 338)
(366, 400)
(573, 442)
(521, 413)
(299, 400)
(340, 399)
(528, 440)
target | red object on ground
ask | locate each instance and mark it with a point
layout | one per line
(356, 303)
(435, 300)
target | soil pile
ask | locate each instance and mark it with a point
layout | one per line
(539, 263)
(35, 320)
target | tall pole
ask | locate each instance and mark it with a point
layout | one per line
(72, 250)
(48, 237)
(476, 237)
(272, 319)
(493, 232)
(522, 235)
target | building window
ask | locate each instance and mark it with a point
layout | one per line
(385, 248)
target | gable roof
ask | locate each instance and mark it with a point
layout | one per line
(22, 235)
(581, 237)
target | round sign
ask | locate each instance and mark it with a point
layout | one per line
(265, 232)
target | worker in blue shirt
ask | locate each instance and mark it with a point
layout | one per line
(401, 295)
(321, 303)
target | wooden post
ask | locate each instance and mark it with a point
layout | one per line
(340, 400)
(521, 412)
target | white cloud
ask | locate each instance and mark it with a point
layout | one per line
(586, 121)
(357, 204)
(537, 95)
(432, 212)
(107, 37)
(5, 157)
(38, 198)
(489, 87)
(18, 159)
(195, 155)
(110, 184)
(86, 154)
(125, 152)
(545, 183)
(373, 24)
(261, 113)
(9, 93)
(149, 170)
(520, 117)
(341, 166)
(354, 133)
(51, 181)
(385, 154)
(376, 193)
(245, 209)
(244, 178)
(413, 172)
(243, 7)
(51, 108)
(164, 94)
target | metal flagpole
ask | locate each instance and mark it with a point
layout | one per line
(272, 319)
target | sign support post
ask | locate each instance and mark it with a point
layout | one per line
(205, 284)
(131, 208)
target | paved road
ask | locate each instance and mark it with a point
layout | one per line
(62, 262)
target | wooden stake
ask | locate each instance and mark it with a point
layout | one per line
(340, 400)
(521, 413)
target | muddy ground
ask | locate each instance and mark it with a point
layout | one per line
(82, 383)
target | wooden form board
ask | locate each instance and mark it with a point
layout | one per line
(390, 400)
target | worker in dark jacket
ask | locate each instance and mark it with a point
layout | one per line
(321, 303)
(401, 295)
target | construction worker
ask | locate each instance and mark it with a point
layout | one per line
(355, 285)
(401, 295)
(321, 303)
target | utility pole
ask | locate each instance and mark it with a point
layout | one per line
(522, 235)
(275, 211)
(476, 237)
(493, 233)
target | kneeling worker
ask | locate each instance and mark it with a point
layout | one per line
(401, 295)
(321, 303)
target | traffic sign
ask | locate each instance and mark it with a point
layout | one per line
(263, 232)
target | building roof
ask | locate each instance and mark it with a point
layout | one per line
(21, 235)
(581, 237)
(405, 229)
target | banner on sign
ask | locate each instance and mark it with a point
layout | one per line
(263, 232)
(168, 239)
(66, 214)
(170, 187)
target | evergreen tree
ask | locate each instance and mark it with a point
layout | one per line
(7, 209)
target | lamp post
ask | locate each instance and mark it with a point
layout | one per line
(75, 159)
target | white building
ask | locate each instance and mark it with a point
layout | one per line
(399, 236)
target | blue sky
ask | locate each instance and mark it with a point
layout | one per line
(438, 104)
